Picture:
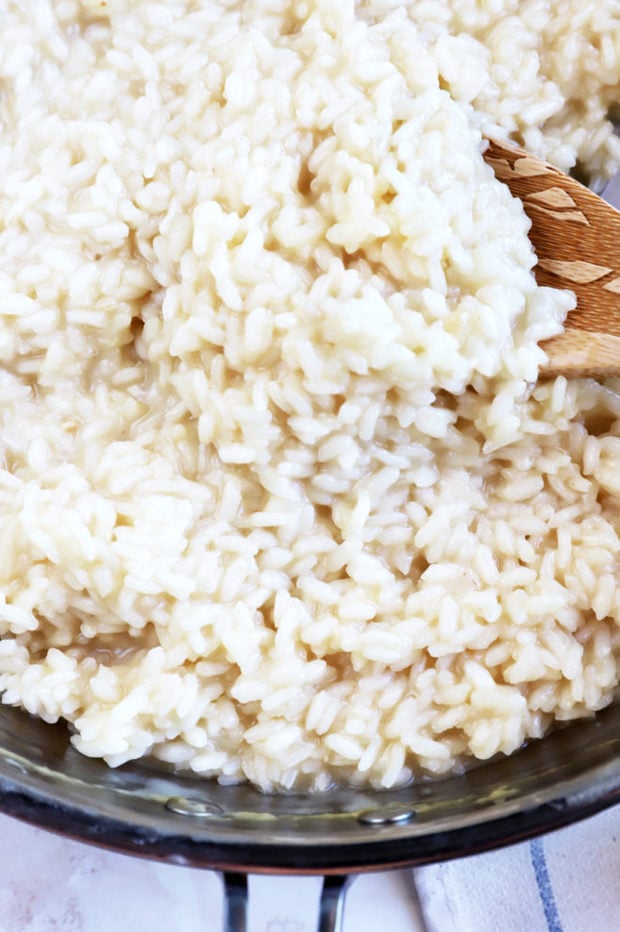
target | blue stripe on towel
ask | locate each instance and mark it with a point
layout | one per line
(545, 888)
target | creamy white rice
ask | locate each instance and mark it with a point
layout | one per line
(281, 498)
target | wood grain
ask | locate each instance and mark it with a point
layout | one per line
(576, 236)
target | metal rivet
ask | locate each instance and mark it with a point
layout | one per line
(192, 807)
(387, 815)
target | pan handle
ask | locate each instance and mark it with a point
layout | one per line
(331, 907)
(235, 902)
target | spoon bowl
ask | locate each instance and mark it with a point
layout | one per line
(576, 236)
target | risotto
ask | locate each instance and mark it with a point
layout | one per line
(282, 498)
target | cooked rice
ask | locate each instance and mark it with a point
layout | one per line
(281, 499)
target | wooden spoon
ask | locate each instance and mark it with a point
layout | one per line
(576, 236)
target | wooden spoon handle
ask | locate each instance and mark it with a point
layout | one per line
(576, 236)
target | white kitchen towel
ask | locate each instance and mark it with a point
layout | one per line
(568, 881)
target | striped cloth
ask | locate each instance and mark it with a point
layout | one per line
(568, 881)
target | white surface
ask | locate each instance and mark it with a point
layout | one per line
(52, 884)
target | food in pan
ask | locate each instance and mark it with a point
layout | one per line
(282, 498)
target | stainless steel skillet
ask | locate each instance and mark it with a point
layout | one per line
(145, 809)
